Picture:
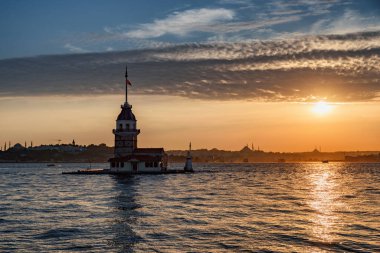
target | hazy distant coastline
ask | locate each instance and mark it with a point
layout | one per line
(101, 153)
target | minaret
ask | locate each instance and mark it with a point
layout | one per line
(125, 131)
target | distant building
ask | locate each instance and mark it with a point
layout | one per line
(61, 148)
(127, 156)
(17, 147)
(246, 150)
(363, 158)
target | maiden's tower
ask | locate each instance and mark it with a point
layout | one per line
(128, 158)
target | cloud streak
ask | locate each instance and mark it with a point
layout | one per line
(351, 21)
(334, 67)
(233, 21)
(74, 49)
(181, 23)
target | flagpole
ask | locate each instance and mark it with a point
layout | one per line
(126, 94)
(126, 85)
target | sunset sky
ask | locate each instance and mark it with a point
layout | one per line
(283, 75)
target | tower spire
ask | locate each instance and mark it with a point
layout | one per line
(127, 82)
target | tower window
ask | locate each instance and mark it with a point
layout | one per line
(120, 126)
(127, 126)
(151, 164)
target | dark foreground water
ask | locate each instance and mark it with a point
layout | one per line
(226, 208)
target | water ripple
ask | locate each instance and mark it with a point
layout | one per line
(307, 207)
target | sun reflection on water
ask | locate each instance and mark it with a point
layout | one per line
(324, 201)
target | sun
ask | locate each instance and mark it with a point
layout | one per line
(322, 108)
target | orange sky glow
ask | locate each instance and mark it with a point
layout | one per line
(172, 122)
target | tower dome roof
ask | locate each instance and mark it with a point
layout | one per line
(126, 114)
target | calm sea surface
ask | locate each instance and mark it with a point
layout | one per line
(307, 207)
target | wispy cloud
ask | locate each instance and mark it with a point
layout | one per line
(213, 21)
(74, 49)
(336, 67)
(351, 21)
(313, 7)
(232, 21)
(181, 23)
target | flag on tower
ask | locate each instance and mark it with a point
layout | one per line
(127, 82)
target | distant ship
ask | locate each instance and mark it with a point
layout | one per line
(325, 161)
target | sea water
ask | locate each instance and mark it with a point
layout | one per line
(301, 207)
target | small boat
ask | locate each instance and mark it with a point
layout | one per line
(325, 161)
(50, 165)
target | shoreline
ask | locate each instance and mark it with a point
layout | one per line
(290, 162)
